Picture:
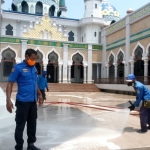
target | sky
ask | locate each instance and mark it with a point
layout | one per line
(76, 7)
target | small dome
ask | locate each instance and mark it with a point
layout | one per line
(109, 12)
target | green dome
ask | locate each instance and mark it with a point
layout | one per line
(62, 3)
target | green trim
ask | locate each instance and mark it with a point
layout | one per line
(10, 40)
(49, 43)
(45, 43)
(97, 47)
(83, 46)
(115, 44)
(140, 35)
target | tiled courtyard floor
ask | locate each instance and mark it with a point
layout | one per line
(82, 121)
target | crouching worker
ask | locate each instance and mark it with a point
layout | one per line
(42, 84)
(142, 94)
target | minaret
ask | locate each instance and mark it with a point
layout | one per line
(92, 8)
(62, 8)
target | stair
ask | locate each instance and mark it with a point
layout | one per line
(62, 87)
(74, 87)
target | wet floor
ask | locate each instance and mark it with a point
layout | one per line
(81, 121)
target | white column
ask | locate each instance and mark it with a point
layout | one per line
(89, 79)
(85, 67)
(132, 66)
(127, 43)
(60, 70)
(116, 67)
(65, 62)
(145, 69)
(107, 71)
(45, 67)
(55, 67)
(24, 48)
(69, 74)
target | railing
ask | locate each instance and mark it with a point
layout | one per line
(142, 79)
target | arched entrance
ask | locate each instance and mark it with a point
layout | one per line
(77, 69)
(8, 61)
(39, 63)
(139, 63)
(52, 68)
(120, 71)
(111, 67)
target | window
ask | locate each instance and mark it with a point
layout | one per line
(95, 34)
(9, 30)
(95, 5)
(71, 36)
(39, 8)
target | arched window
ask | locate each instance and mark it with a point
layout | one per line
(52, 10)
(24, 7)
(9, 30)
(59, 14)
(32, 9)
(70, 36)
(96, 6)
(39, 8)
(8, 59)
(45, 9)
(14, 7)
(49, 35)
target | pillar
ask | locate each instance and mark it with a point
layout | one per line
(23, 49)
(69, 73)
(65, 62)
(145, 70)
(89, 78)
(85, 68)
(132, 66)
(55, 67)
(60, 72)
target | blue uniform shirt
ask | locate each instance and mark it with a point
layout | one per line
(26, 78)
(42, 83)
(142, 93)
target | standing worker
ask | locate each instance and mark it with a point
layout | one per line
(142, 94)
(25, 74)
(42, 84)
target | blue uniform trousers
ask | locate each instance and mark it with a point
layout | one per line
(144, 117)
(25, 112)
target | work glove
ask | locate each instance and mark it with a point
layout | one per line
(132, 107)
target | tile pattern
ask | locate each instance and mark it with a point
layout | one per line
(140, 13)
(115, 27)
(140, 25)
(73, 51)
(120, 34)
(96, 56)
(16, 47)
(45, 25)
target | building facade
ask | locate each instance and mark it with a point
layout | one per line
(100, 45)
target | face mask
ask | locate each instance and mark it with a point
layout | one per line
(31, 62)
(130, 84)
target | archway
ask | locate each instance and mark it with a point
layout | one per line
(25, 8)
(52, 68)
(120, 71)
(39, 8)
(111, 67)
(52, 10)
(77, 69)
(13, 7)
(8, 61)
(39, 62)
(139, 63)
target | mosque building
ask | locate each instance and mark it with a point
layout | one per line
(101, 47)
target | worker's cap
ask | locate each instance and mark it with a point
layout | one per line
(44, 72)
(130, 78)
